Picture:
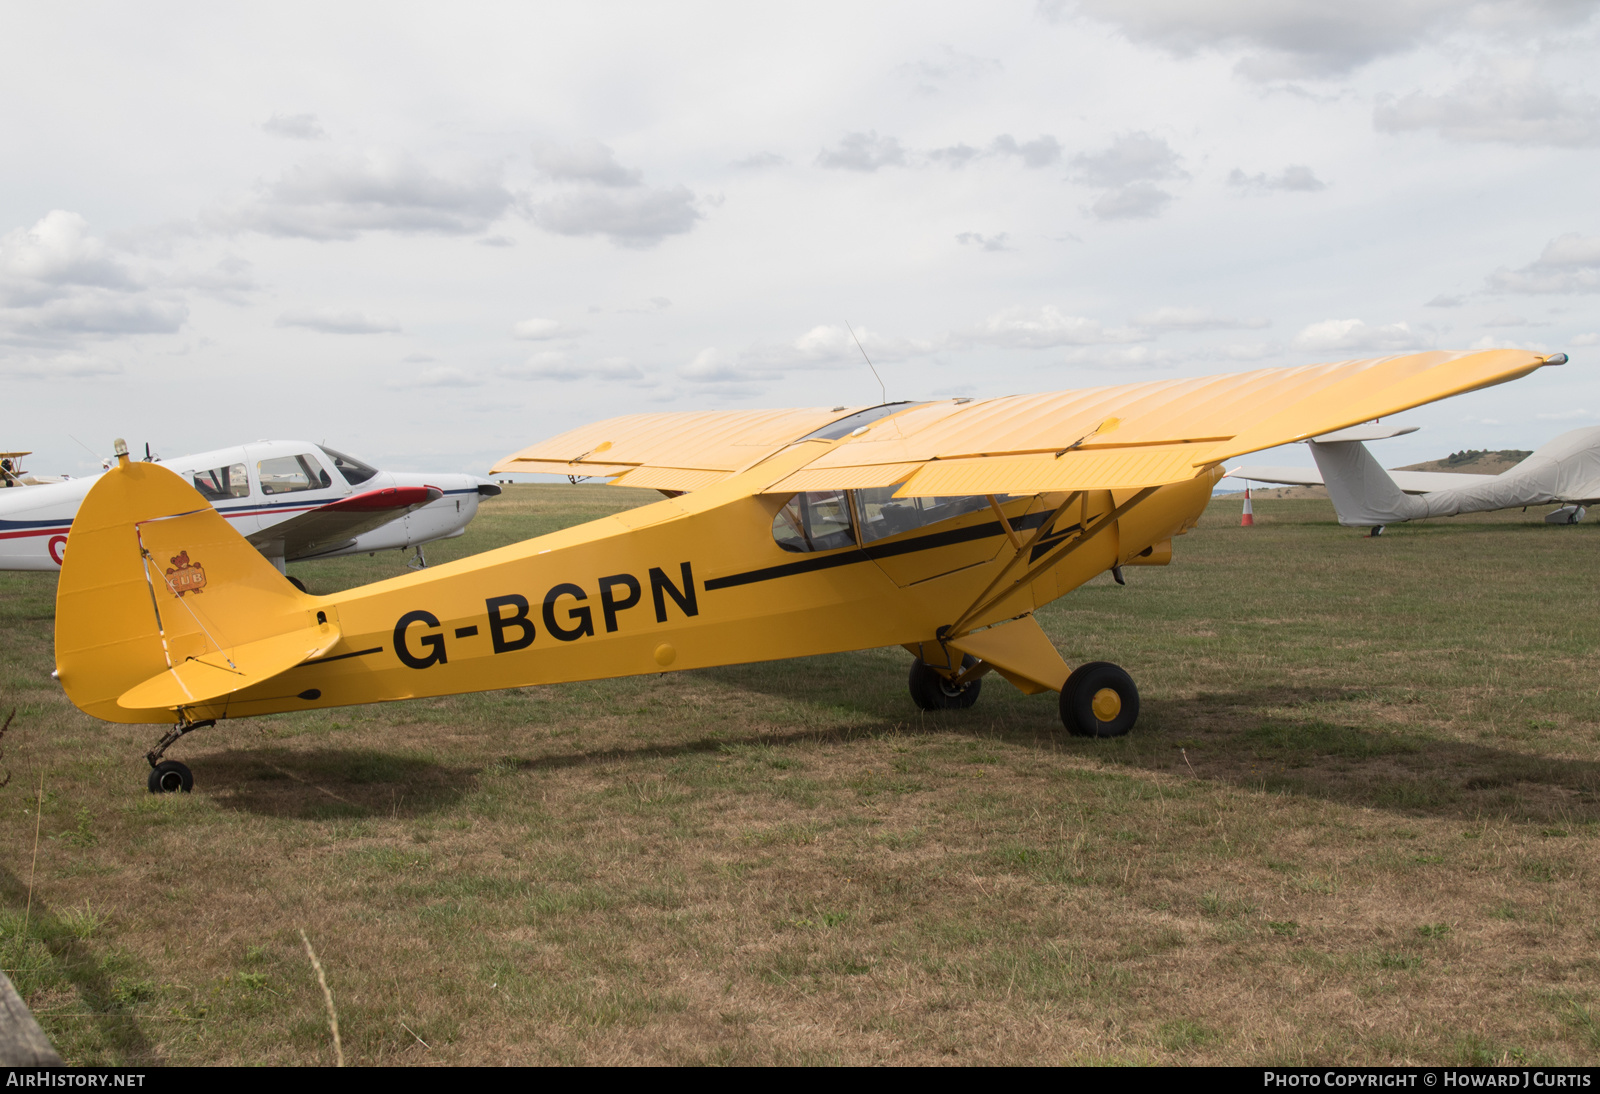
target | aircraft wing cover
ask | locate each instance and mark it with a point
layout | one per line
(670, 451)
(1137, 435)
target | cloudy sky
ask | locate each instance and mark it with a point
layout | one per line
(432, 234)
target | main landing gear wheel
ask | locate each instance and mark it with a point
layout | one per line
(1099, 700)
(931, 690)
(169, 777)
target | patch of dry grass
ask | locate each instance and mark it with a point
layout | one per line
(1356, 823)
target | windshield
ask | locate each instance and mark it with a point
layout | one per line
(354, 471)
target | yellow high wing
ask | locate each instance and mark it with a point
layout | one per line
(1138, 435)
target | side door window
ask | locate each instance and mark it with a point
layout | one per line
(223, 483)
(291, 474)
(814, 521)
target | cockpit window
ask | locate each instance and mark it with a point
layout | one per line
(221, 483)
(817, 521)
(287, 474)
(882, 514)
(354, 471)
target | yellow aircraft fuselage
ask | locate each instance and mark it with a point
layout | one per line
(165, 618)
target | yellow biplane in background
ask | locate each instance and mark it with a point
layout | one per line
(938, 526)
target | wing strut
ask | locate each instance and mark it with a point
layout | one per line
(989, 597)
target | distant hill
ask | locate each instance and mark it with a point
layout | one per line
(1469, 461)
(1474, 461)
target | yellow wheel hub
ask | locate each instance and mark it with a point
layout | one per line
(1107, 704)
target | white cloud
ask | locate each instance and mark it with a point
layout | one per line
(1040, 152)
(57, 366)
(1136, 201)
(1294, 177)
(446, 376)
(1132, 157)
(333, 321)
(59, 283)
(1294, 39)
(1569, 264)
(339, 198)
(822, 347)
(55, 256)
(631, 218)
(1445, 301)
(1194, 319)
(1589, 339)
(1041, 328)
(949, 66)
(302, 127)
(552, 365)
(1578, 414)
(1355, 336)
(231, 279)
(1508, 102)
(996, 242)
(1118, 357)
(863, 152)
(497, 241)
(539, 330)
(584, 161)
(1127, 170)
(957, 155)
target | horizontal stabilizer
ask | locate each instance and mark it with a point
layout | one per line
(223, 672)
(1366, 433)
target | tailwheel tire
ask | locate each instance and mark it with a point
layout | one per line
(170, 777)
(1099, 700)
(296, 582)
(931, 690)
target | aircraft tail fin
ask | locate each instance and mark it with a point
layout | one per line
(1363, 493)
(163, 608)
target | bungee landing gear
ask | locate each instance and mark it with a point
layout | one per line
(170, 776)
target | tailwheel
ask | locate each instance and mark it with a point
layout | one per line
(1099, 700)
(170, 777)
(932, 690)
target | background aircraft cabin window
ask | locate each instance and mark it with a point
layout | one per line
(818, 521)
(882, 514)
(354, 471)
(287, 474)
(221, 483)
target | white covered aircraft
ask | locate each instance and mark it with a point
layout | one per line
(291, 499)
(1565, 472)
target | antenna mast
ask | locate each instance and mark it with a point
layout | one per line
(882, 390)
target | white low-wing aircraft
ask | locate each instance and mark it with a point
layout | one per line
(1565, 472)
(291, 499)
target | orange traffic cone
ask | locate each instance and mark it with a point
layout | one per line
(1248, 520)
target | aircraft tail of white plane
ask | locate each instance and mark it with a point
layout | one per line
(1364, 494)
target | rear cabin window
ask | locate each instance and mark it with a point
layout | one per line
(287, 474)
(221, 483)
(816, 521)
(354, 471)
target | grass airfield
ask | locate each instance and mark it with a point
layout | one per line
(1357, 823)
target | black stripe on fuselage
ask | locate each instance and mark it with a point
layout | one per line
(341, 656)
(877, 550)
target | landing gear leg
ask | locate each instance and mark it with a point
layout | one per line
(170, 776)
(418, 563)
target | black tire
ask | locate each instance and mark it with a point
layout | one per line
(932, 691)
(169, 777)
(1085, 687)
(296, 582)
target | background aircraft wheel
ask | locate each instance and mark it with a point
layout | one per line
(169, 777)
(1099, 700)
(296, 582)
(931, 691)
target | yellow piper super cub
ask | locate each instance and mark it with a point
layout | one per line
(937, 526)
